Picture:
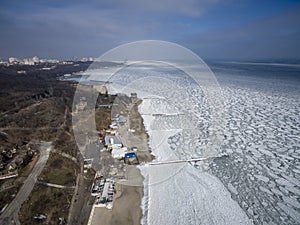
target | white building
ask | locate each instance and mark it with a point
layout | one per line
(28, 61)
(119, 153)
(112, 142)
(13, 60)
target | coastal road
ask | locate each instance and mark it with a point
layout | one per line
(10, 215)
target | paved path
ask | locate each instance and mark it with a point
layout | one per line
(10, 215)
(177, 161)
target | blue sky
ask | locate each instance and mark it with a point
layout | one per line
(219, 29)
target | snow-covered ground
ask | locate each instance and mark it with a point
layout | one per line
(257, 181)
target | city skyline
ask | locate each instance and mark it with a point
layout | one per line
(211, 28)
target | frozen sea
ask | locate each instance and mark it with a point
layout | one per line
(262, 139)
(253, 176)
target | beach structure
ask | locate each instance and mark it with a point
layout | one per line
(87, 164)
(133, 97)
(131, 158)
(119, 153)
(118, 120)
(101, 89)
(111, 142)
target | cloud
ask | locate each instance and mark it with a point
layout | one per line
(169, 7)
(70, 28)
(275, 37)
(192, 8)
(66, 28)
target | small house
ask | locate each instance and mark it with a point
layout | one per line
(131, 158)
(133, 97)
(111, 142)
(119, 153)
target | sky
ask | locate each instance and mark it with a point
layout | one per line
(213, 29)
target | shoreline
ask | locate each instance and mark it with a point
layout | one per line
(138, 201)
(134, 187)
(216, 204)
(127, 205)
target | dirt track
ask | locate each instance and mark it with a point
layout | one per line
(10, 215)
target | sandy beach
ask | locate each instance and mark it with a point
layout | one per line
(129, 191)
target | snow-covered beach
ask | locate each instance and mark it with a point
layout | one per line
(180, 193)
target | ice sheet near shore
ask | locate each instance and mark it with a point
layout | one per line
(258, 181)
(180, 193)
